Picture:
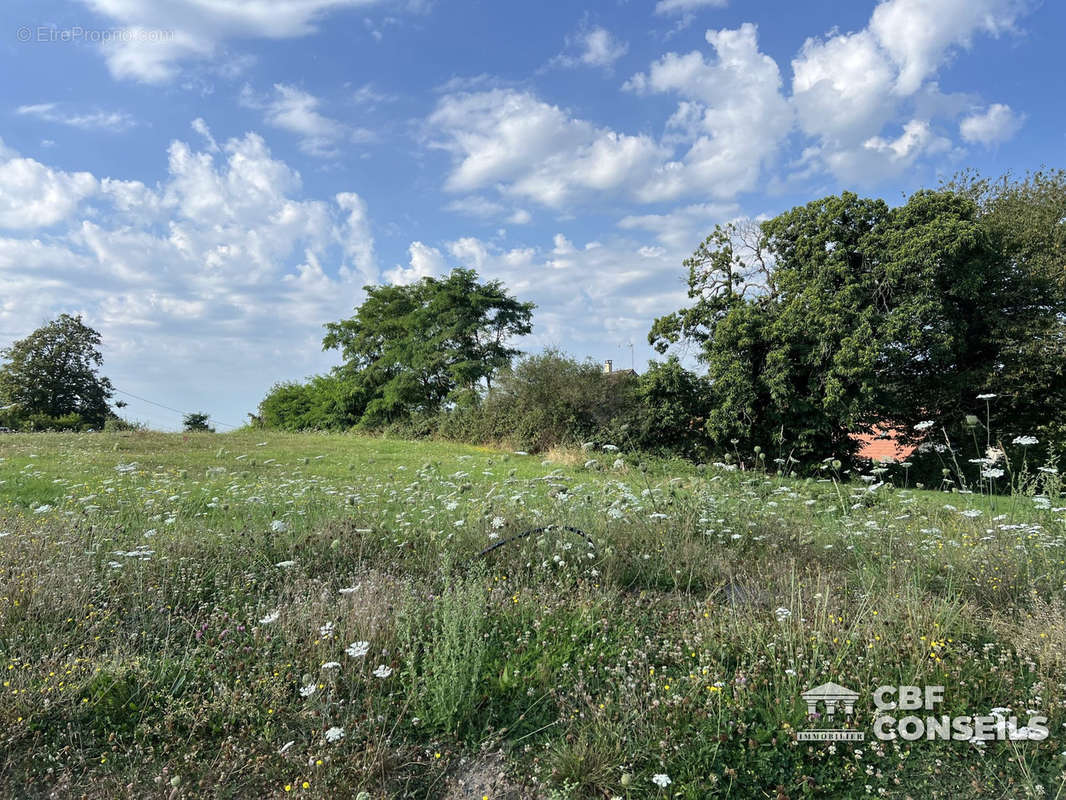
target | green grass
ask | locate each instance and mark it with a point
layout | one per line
(164, 599)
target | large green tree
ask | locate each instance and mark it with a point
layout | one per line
(412, 348)
(860, 313)
(54, 373)
(1026, 217)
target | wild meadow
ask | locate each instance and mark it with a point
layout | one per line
(271, 615)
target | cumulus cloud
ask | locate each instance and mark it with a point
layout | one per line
(920, 34)
(425, 262)
(592, 296)
(733, 115)
(847, 87)
(33, 195)
(297, 111)
(513, 140)
(196, 30)
(728, 126)
(219, 275)
(995, 125)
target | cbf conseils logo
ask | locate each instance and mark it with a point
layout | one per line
(832, 697)
(889, 723)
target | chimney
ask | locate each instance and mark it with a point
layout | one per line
(608, 366)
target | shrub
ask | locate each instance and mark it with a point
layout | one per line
(445, 649)
(120, 425)
(673, 407)
(551, 399)
(326, 402)
(197, 423)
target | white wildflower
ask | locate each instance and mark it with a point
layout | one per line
(661, 779)
(382, 671)
(278, 526)
(308, 690)
(270, 618)
(334, 734)
(1026, 441)
(358, 649)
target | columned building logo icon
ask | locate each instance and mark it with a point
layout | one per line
(832, 695)
(833, 698)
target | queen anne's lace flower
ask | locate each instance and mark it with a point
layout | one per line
(358, 649)
(334, 734)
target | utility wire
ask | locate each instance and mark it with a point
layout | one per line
(168, 408)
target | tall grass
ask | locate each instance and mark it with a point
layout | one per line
(256, 615)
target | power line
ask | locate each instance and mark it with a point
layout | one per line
(168, 408)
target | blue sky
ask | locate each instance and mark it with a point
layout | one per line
(209, 181)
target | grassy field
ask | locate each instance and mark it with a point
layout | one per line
(264, 615)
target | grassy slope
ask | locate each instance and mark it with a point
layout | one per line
(136, 660)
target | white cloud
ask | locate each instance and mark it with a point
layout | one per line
(593, 296)
(848, 86)
(730, 123)
(513, 141)
(994, 125)
(916, 137)
(115, 121)
(591, 47)
(219, 276)
(425, 262)
(201, 128)
(33, 195)
(841, 87)
(682, 229)
(296, 111)
(921, 34)
(733, 116)
(160, 36)
(687, 6)
(879, 158)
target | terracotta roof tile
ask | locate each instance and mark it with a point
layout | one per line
(882, 445)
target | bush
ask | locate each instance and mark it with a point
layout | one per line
(326, 402)
(120, 425)
(673, 408)
(193, 423)
(551, 399)
(44, 422)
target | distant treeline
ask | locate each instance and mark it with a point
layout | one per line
(944, 318)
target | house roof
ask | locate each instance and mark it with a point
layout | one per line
(883, 444)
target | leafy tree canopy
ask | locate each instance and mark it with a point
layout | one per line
(197, 423)
(846, 312)
(412, 348)
(53, 374)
